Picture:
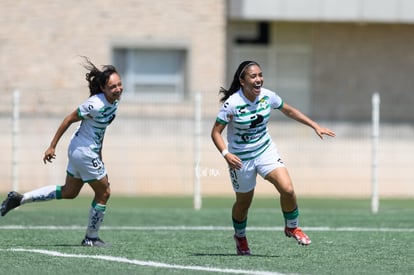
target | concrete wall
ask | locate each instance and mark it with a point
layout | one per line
(321, 10)
(352, 61)
(330, 70)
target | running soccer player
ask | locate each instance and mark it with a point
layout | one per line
(85, 159)
(246, 111)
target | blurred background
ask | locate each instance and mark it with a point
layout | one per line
(327, 58)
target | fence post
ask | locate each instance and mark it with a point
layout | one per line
(375, 139)
(197, 151)
(15, 140)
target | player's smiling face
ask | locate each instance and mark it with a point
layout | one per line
(113, 88)
(252, 82)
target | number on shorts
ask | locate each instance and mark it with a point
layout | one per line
(97, 163)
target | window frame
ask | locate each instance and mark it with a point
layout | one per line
(181, 81)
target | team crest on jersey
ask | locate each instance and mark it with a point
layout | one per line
(263, 102)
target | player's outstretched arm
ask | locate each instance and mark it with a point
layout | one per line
(297, 115)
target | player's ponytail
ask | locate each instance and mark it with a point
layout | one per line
(95, 77)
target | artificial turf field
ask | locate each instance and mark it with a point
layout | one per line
(166, 236)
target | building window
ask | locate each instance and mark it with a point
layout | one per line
(152, 74)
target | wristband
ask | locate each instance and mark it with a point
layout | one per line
(224, 152)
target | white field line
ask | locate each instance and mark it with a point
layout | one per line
(142, 263)
(207, 228)
(180, 228)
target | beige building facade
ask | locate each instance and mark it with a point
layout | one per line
(326, 57)
(41, 44)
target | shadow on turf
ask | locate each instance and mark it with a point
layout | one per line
(231, 255)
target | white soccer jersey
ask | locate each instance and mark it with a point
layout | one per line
(96, 113)
(247, 134)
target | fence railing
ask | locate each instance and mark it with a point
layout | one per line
(175, 156)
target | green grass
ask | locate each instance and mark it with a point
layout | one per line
(346, 238)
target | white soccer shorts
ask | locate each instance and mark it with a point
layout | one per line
(85, 164)
(244, 180)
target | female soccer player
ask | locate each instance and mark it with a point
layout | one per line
(246, 111)
(85, 159)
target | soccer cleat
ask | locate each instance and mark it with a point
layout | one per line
(12, 201)
(242, 246)
(298, 234)
(93, 242)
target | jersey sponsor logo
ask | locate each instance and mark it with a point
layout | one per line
(246, 137)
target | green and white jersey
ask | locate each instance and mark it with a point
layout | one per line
(96, 113)
(246, 121)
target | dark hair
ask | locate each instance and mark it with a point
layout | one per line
(235, 84)
(95, 77)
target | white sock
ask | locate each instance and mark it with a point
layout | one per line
(292, 218)
(292, 223)
(42, 194)
(96, 216)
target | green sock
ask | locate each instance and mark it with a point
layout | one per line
(58, 192)
(240, 228)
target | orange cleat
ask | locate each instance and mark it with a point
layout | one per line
(298, 235)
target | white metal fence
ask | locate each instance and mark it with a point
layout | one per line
(166, 156)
